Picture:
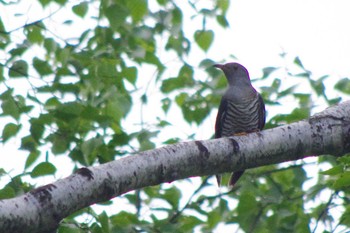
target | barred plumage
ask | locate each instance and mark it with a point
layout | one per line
(241, 110)
(240, 117)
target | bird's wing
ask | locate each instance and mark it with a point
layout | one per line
(261, 112)
(220, 118)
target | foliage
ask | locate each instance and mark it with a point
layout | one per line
(75, 95)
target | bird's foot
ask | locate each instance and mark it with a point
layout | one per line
(245, 133)
(240, 134)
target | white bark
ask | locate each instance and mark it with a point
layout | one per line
(43, 208)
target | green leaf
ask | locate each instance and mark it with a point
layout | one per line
(138, 9)
(204, 39)
(221, 19)
(247, 209)
(286, 92)
(106, 68)
(34, 33)
(177, 16)
(2, 78)
(166, 102)
(334, 101)
(345, 159)
(298, 62)
(28, 143)
(334, 170)
(267, 71)
(343, 85)
(195, 108)
(9, 131)
(296, 115)
(144, 99)
(19, 69)
(44, 3)
(81, 9)
(68, 111)
(61, 2)
(4, 36)
(89, 148)
(144, 139)
(214, 218)
(33, 156)
(122, 220)
(42, 67)
(171, 84)
(10, 107)
(116, 15)
(178, 43)
(7, 192)
(188, 223)
(60, 144)
(36, 129)
(77, 155)
(184, 79)
(305, 100)
(343, 181)
(50, 45)
(19, 50)
(318, 86)
(130, 73)
(103, 219)
(43, 169)
(173, 196)
(162, 2)
(223, 5)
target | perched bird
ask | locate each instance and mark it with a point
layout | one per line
(241, 111)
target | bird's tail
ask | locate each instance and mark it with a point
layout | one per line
(234, 178)
(218, 179)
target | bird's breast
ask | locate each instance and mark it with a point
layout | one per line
(242, 116)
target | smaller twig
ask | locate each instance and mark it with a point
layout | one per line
(324, 210)
(179, 212)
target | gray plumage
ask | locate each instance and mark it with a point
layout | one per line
(242, 109)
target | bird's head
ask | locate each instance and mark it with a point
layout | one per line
(234, 72)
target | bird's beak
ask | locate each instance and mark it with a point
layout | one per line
(218, 66)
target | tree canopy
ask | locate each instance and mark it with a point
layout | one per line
(94, 81)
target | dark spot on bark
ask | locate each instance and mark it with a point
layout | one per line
(347, 139)
(43, 193)
(109, 175)
(289, 127)
(235, 145)
(319, 128)
(242, 159)
(108, 189)
(161, 170)
(135, 174)
(86, 172)
(203, 151)
(299, 150)
(160, 173)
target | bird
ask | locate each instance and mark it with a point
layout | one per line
(241, 110)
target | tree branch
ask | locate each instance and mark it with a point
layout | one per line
(43, 208)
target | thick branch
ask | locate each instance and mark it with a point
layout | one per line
(42, 209)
